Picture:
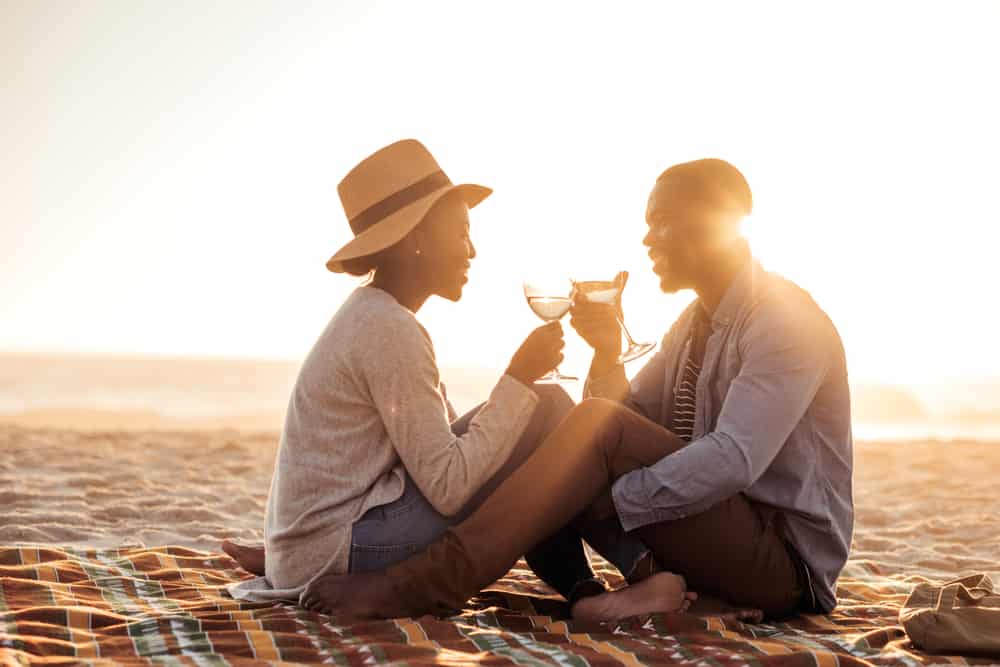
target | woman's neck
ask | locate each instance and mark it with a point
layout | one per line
(407, 292)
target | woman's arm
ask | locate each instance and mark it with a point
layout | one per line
(403, 379)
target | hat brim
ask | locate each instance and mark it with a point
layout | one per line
(392, 229)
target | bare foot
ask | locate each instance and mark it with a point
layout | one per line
(357, 596)
(661, 592)
(250, 558)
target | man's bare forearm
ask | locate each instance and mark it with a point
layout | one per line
(606, 379)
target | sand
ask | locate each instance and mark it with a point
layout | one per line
(923, 508)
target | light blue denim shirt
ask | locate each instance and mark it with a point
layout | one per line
(772, 421)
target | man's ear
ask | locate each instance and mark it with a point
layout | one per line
(726, 235)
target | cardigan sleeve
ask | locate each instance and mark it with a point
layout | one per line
(404, 383)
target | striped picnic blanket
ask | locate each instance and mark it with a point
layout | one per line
(167, 605)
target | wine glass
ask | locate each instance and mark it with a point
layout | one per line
(610, 292)
(550, 299)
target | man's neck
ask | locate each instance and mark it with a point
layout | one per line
(716, 283)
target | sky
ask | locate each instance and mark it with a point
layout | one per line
(169, 170)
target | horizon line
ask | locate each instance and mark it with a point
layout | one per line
(216, 357)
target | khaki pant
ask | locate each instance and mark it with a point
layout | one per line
(734, 550)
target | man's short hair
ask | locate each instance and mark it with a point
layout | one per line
(711, 185)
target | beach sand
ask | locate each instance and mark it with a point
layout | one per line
(923, 508)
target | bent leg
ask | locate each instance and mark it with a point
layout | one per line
(597, 442)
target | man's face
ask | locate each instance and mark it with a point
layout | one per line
(677, 239)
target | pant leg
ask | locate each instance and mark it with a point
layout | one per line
(735, 550)
(560, 561)
(608, 538)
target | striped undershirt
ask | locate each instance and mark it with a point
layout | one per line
(682, 419)
(684, 401)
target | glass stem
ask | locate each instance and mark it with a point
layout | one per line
(628, 336)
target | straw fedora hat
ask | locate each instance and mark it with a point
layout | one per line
(389, 193)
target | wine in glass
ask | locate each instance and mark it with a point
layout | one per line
(550, 300)
(610, 292)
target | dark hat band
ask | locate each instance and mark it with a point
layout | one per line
(398, 200)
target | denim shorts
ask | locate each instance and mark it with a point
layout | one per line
(389, 533)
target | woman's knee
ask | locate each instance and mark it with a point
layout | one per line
(553, 400)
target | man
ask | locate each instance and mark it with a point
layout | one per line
(729, 456)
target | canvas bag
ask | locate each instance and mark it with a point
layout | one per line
(959, 617)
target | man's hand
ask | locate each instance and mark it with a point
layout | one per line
(540, 352)
(597, 323)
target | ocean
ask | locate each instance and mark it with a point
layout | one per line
(109, 391)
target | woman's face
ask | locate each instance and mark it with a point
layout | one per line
(446, 250)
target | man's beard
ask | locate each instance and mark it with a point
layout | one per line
(672, 281)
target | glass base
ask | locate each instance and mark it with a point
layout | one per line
(635, 351)
(555, 377)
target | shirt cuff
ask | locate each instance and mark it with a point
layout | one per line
(632, 502)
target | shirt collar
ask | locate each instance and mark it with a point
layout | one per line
(738, 293)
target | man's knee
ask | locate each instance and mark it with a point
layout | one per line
(598, 408)
(597, 412)
(598, 423)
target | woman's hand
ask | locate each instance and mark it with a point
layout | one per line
(540, 352)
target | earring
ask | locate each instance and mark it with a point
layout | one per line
(418, 251)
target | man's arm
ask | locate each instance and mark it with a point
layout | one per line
(786, 356)
(643, 395)
(598, 325)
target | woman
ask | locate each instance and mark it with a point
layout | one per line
(369, 470)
